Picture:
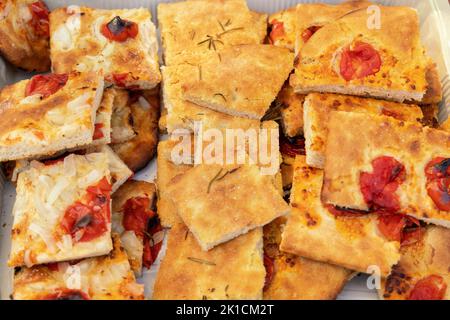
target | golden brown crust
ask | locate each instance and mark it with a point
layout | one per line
(318, 106)
(433, 94)
(291, 111)
(429, 256)
(430, 115)
(233, 270)
(208, 26)
(357, 243)
(103, 278)
(266, 68)
(139, 150)
(220, 203)
(349, 153)
(121, 120)
(19, 43)
(297, 278)
(402, 73)
(77, 44)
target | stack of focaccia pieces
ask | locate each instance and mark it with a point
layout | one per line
(70, 140)
(365, 161)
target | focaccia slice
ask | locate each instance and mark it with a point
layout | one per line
(121, 42)
(48, 113)
(317, 108)
(383, 163)
(122, 119)
(133, 209)
(233, 270)
(291, 111)
(282, 26)
(422, 273)
(190, 29)
(24, 34)
(107, 277)
(118, 170)
(182, 114)
(351, 55)
(220, 203)
(266, 68)
(291, 277)
(102, 126)
(62, 211)
(318, 232)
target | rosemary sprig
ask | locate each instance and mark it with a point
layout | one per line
(212, 41)
(220, 95)
(229, 30)
(213, 179)
(209, 263)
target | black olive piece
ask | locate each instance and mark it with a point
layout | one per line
(117, 25)
(442, 167)
(83, 222)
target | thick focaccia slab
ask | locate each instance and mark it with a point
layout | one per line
(77, 42)
(220, 203)
(291, 109)
(266, 68)
(379, 143)
(291, 277)
(350, 56)
(233, 270)
(54, 215)
(183, 114)
(24, 34)
(33, 124)
(311, 227)
(422, 273)
(317, 108)
(101, 278)
(190, 29)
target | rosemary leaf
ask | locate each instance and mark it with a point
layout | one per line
(220, 95)
(213, 179)
(209, 263)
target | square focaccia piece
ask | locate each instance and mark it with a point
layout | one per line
(47, 114)
(291, 277)
(182, 114)
(121, 43)
(386, 164)
(317, 108)
(358, 242)
(282, 27)
(266, 68)
(225, 202)
(350, 55)
(189, 273)
(207, 26)
(62, 211)
(291, 109)
(422, 272)
(107, 277)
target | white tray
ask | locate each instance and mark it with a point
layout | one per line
(435, 28)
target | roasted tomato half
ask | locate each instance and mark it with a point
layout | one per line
(359, 60)
(430, 288)
(46, 84)
(438, 182)
(119, 29)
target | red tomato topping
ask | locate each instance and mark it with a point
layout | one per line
(438, 182)
(67, 294)
(119, 29)
(430, 288)
(277, 30)
(46, 84)
(39, 20)
(119, 79)
(309, 32)
(343, 212)
(269, 264)
(98, 133)
(152, 245)
(89, 218)
(360, 61)
(397, 227)
(136, 214)
(292, 146)
(378, 187)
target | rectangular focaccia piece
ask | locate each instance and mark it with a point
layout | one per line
(122, 43)
(317, 108)
(349, 55)
(291, 109)
(47, 114)
(182, 114)
(220, 203)
(107, 277)
(297, 278)
(422, 272)
(384, 163)
(122, 119)
(191, 28)
(266, 68)
(189, 273)
(62, 211)
(311, 227)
